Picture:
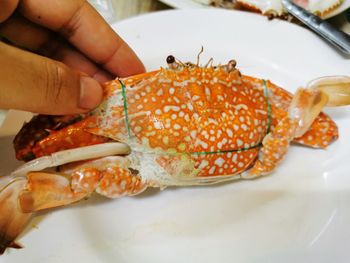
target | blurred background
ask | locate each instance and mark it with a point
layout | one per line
(116, 10)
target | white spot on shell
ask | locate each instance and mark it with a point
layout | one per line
(229, 132)
(193, 134)
(195, 97)
(168, 108)
(177, 126)
(165, 140)
(219, 161)
(203, 164)
(160, 92)
(212, 170)
(122, 184)
(182, 147)
(234, 158)
(189, 106)
(207, 92)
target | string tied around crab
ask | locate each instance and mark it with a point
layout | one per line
(258, 145)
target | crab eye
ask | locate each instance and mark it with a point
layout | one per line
(231, 65)
(170, 59)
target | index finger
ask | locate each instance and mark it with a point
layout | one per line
(82, 26)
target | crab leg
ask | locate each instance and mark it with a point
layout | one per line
(72, 155)
(12, 220)
(40, 190)
(46, 190)
(108, 176)
(306, 105)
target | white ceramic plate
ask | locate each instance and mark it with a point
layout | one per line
(190, 4)
(300, 213)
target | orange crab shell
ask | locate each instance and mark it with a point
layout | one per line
(207, 113)
(217, 118)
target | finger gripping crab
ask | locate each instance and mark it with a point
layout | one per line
(178, 126)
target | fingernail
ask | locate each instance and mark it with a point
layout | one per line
(90, 93)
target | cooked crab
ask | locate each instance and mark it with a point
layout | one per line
(178, 126)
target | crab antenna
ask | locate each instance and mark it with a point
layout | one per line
(199, 54)
(181, 63)
(210, 62)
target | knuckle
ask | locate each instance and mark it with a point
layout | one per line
(55, 81)
(70, 27)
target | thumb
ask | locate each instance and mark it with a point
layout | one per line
(34, 83)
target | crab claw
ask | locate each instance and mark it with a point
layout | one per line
(32, 190)
(45, 190)
(20, 198)
(13, 220)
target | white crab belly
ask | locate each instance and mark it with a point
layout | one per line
(275, 7)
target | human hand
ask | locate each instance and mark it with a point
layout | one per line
(56, 54)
